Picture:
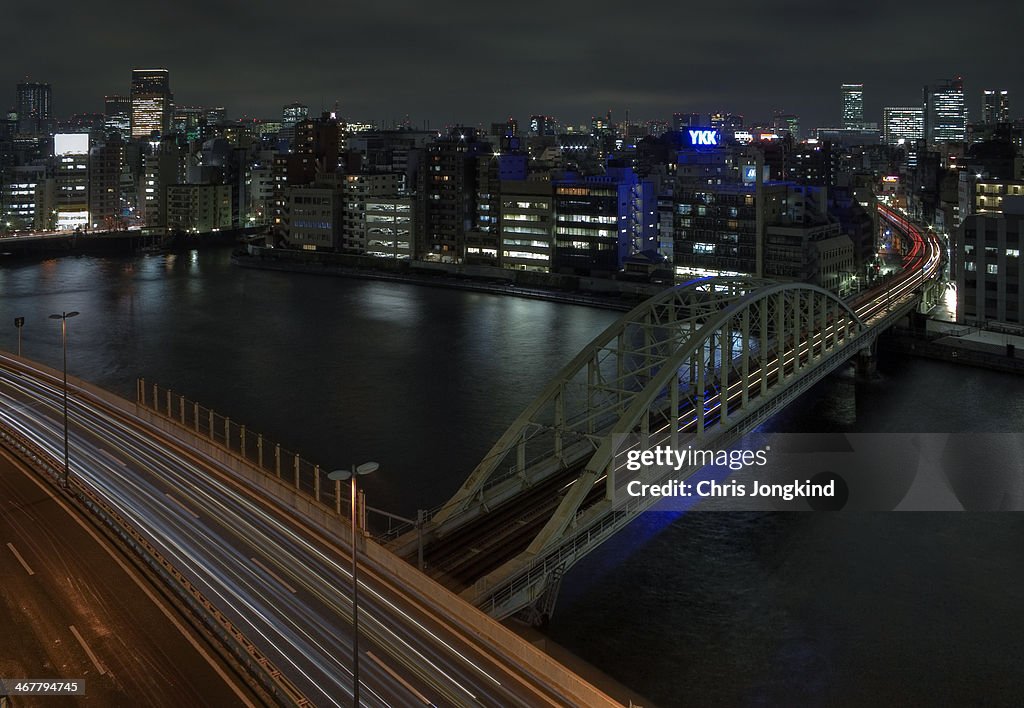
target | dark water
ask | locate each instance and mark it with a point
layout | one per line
(699, 609)
(828, 609)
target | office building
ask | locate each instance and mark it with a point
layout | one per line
(71, 152)
(718, 209)
(198, 208)
(152, 102)
(902, 125)
(312, 216)
(945, 112)
(34, 108)
(988, 267)
(27, 199)
(601, 220)
(106, 161)
(853, 105)
(161, 167)
(117, 116)
(995, 106)
(527, 224)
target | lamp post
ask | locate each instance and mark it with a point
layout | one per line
(19, 322)
(341, 476)
(63, 317)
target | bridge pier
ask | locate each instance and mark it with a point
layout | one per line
(866, 362)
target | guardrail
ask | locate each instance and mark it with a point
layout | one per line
(304, 477)
(258, 666)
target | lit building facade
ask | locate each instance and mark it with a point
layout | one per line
(601, 220)
(902, 125)
(995, 106)
(71, 152)
(989, 194)
(117, 116)
(945, 112)
(853, 105)
(152, 102)
(718, 221)
(527, 224)
(34, 108)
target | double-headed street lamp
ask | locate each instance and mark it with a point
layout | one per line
(63, 317)
(341, 476)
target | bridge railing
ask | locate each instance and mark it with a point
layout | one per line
(498, 600)
(305, 477)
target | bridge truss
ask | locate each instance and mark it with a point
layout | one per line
(699, 364)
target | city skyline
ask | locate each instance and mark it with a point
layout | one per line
(383, 64)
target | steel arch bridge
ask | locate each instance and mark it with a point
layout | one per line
(701, 363)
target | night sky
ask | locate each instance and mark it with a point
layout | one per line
(480, 62)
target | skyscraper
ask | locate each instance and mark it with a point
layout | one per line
(118, 116)
(853, 105)
(34, 109)
(995, 106)
(152, 102)
(904, 123)
(945, 113)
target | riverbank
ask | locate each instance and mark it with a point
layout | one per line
(958, 344)
(573, 290)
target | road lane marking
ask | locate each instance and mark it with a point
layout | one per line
(181, 504)
(110, 456)
(230, 680)
(20, 559)
(390, 672)
(274, 575)
(92, 657)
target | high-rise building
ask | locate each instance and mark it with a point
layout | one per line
(71, 152)
(105, 203)
(853, 105)
(945, 112)
(152, 102)
(118, 116)
(902, 123)
(446, 194)
(293, 113)
(34, 108)
(995, 106)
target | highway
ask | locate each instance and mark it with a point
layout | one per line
(281, 582)
(77, 609)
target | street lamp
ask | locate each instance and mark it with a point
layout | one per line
(341, 476)
(63, 317)
(19, 322)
